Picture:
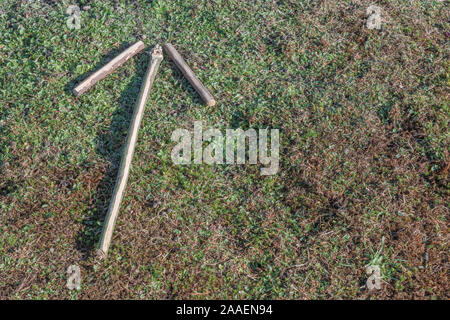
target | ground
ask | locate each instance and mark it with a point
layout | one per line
(363, 180)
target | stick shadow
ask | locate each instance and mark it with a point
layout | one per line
(179, 77)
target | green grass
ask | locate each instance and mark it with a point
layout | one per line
(363, 119)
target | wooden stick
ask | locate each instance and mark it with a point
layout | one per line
(125, 164)
(108, 68)
(189, 74)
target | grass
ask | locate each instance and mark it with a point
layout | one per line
(363, 118)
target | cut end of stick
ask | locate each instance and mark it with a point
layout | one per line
(76, 93)
(101, 254)
(211, 103)
(157, 52)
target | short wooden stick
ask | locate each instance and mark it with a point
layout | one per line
(189, 74)
(125, 164)
(108, 68)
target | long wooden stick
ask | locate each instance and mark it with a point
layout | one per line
(189, 74)
(125, 164)
(108, 68)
